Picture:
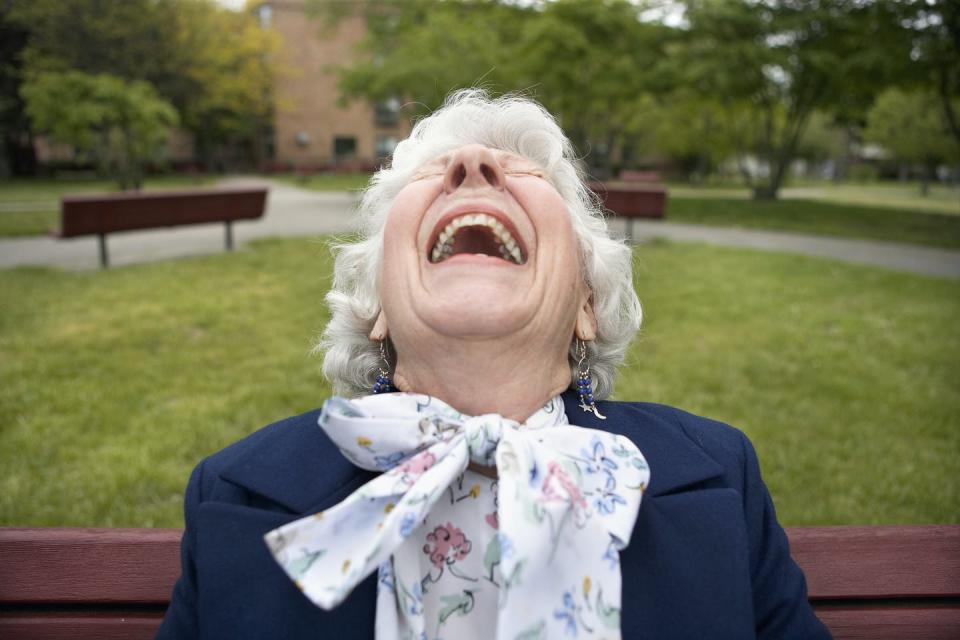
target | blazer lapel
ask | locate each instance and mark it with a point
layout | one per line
(676, 462)
(302, 470)
(685, 569)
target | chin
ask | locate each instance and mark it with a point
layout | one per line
(475, 315)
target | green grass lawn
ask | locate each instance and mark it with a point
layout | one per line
(114, 384)
(326, 181)
(31, 207)
(817, 217)
(896, 195)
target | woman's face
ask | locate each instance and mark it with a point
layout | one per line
(480, 245)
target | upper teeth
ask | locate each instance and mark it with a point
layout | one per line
(509, 249)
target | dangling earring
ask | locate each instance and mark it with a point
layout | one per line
(383, 384)
(584, 382)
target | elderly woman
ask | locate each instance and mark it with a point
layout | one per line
(484, 489)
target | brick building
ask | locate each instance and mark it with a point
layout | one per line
(310, 130)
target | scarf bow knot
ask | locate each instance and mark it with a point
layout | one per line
(567, 500)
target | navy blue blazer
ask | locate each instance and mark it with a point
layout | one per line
(707, 558)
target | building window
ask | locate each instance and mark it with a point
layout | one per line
(344, 147)
(385, 145)
(386, 113)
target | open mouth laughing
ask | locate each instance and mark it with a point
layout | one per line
(476, 234)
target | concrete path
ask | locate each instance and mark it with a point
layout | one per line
(290, 212)
(890, 255)
(297, 212)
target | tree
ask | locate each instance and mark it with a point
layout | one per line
(696, 131)
(420, 50)
(588, 61)
(913, 128)
(16, 139)
(225, 90)
(593, 64)
(212, 64)
(120, 125)
(779, 61)
(935, 28)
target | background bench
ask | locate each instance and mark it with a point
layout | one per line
(877, 583)
(637, 175)
(632, 200)
(103, 214)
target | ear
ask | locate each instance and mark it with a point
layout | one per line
(586, 326)
(380, 330)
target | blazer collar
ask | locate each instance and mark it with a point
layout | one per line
(677, 462)
(294, 464)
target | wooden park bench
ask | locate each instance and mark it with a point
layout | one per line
(103, 214)
(636, 175)
(632, 200)
(877, 583)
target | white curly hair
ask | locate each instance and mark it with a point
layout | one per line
(510, 123)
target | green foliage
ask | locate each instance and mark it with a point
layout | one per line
(841, 375)
(822, 139)
(420, 50)
(590, 63)
(778, 62)
(911, 127)
(121, 125)
(212, 64)
(743, 79)
(226, 75)
(133, 39)
(935, 29)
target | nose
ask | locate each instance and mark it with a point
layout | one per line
(473, 166)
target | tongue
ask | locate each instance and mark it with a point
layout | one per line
(476, 240)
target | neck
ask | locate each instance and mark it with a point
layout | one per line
(485, 376)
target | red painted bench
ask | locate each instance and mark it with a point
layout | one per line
(632, 200)
(637, 175)
(877, 583)
(107, 213)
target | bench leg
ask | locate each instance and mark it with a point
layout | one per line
(104, 258)
(229, 234)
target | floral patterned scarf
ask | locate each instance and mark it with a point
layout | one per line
(562, 508)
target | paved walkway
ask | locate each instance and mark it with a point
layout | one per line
(890, 255)
(290, 212)
(297, 212)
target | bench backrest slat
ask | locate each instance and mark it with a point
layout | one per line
(96, 566)
(107, 213)
(79, 626)
(877, 583)
(879, 562)
(632, 200)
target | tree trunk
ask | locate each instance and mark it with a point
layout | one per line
(765, 192)
(925, 178)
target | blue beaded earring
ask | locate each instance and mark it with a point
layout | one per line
(383, 384)
(585, 382)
